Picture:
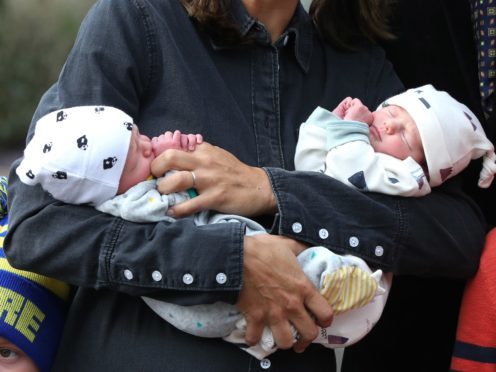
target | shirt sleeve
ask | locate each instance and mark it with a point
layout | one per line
(392, 233)
(173, 261)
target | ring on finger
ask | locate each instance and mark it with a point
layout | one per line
(193, 176)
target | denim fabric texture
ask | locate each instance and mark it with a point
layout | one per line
(147, 58)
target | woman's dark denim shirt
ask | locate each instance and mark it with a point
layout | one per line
(148, 58)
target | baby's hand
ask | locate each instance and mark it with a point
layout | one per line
(343, 106)
(177, 141)
(357, 111)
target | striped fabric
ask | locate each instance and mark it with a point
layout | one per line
(348, 288)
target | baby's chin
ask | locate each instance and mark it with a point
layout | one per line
(374, 135)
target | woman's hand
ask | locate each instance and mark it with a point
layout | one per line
(276, 293)
(224, 183)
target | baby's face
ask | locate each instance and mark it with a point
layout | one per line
(139, 159)
(394, 132)
(12, 359)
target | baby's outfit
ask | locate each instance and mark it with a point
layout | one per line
(143, 202)
(341, 149)
(356, 294)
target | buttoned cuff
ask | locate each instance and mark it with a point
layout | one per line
(321, 211)
(203, 265)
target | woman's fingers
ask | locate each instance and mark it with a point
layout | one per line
(277, 294)
(173, 159)
(225, 183)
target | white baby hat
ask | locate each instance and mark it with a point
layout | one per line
(78, 154)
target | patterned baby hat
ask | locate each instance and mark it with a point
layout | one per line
(78, 154)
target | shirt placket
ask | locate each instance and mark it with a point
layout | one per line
(266, 105)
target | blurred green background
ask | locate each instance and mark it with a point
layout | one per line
(35, 38)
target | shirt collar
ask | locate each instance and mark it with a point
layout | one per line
(301, 26)
(299, 32)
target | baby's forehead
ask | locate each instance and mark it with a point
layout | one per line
(386, 105)
(396, 109)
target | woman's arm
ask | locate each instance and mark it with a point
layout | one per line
(440, 234)
(87, 248)
(112, 63)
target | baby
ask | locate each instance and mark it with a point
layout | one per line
(413, 141)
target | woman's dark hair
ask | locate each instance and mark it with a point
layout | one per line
(343, 23)
(346, 23)
(214, 17)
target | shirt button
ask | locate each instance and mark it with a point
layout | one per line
(285, 41)
(265, 363)
(187, 279)
(297, 228)
(128, 274)
(379, 251)
(221, 278)
(354, 242)
(323, 233)
(157, 276)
